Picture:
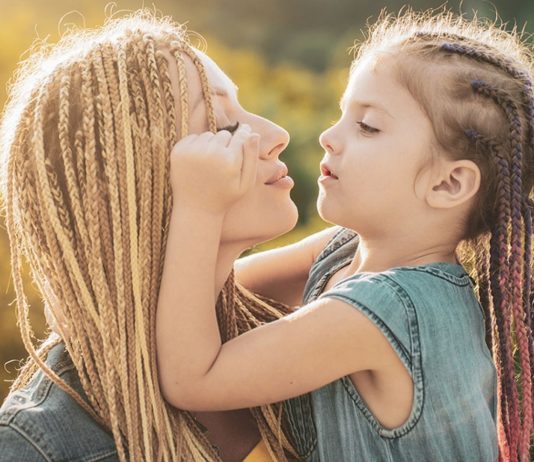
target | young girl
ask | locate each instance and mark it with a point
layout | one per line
(389, 352)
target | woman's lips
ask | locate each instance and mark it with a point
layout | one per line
(286, 182)
(280, 179)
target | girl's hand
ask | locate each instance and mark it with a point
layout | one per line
(213, 170)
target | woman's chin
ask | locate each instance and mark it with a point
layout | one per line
(274, 227)
(261, 228)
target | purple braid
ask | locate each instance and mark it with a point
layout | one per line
(516, 254)
(486, 56)
(483, 277)
(506, 65)
(498, 286)
(528, 299)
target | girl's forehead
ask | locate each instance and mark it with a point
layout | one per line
(374, 84)
(362, 82)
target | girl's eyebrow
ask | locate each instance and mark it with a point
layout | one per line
(364, 104)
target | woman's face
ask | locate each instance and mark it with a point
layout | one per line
(267, 210)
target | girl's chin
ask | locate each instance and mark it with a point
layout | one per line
(327, 214)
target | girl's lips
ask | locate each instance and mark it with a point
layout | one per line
(326, 172)
(324, 179)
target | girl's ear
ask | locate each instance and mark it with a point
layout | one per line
(453, 184)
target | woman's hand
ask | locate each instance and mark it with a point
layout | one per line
(211, 171)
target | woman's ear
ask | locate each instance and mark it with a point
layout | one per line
(453, 183)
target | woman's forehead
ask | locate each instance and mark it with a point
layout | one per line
(216, 77)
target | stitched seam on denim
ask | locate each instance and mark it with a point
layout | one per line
(460, 281)
(43, 387)
(22, 433)
(417, 361)
(410, 364)
(313, 287)
(320, 285)
(27, 431)
(332, 245)
(294, 424)
(377, 320)
(101, 456)
(313, 430)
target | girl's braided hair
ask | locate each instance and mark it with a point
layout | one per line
(86, 137)
(474, 81)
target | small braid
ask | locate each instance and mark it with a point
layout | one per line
(88, 202)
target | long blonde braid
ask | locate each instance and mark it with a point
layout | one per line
(86, 137)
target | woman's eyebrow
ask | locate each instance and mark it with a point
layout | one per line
(217, 91)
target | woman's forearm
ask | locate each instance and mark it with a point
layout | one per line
(188, 339)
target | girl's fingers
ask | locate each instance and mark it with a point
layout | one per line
(222, 138)
(250, 161)
(238, 140)
(205, 137)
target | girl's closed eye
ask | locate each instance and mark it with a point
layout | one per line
(230, 128)
(367, 128)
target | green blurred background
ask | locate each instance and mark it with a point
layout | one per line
(288, 57)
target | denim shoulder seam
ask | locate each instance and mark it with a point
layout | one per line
(42, 392)
(417, 360)
(27, 437)
(414, 362)
(335, 243)
(459, 281)
(398, 346)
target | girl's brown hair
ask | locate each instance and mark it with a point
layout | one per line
(86, 137)
(474, 81)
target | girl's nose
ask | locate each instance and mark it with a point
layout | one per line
(326, 141)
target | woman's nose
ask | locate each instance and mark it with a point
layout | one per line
(274, 140)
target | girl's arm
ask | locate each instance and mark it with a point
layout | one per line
(281, 273)
(303, 351)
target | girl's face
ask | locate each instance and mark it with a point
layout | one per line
(374, 153)
(267, 210)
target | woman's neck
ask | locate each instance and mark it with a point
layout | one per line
(227, 255)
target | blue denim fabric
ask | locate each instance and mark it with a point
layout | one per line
(433, 321)
(43, 423)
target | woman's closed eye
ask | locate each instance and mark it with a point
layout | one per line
(230, 128)
(367, 128)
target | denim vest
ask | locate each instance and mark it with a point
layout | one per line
(43, 423)
(433, 321)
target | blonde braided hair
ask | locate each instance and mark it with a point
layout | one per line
(85, 138)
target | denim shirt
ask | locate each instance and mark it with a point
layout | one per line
(433, 321)
(43, 423)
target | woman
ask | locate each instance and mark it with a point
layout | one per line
(86, 137)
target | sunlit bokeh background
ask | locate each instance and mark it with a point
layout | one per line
(288, 57)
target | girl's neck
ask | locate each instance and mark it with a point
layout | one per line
(376, 255)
